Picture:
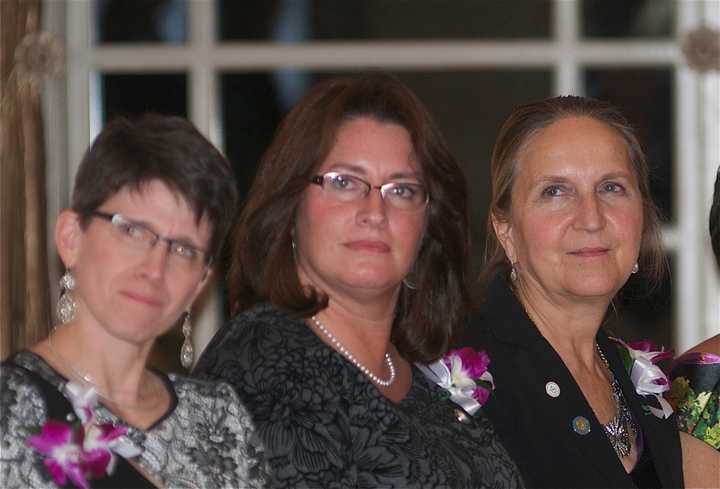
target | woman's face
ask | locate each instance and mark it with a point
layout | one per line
(577, 213)
(130, 292)
(365, 246)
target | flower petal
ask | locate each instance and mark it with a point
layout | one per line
(96, 461)
(53, 434)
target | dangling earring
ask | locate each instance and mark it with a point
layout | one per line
(635, 268)
(187, 353)
(66, 305)
(513, 273)
(410, 285)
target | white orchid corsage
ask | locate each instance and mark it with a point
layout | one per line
(464, 374)
(640, 359)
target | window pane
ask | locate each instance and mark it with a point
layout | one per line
(628, 18)
(469, 106)
(128, 21)
(129, 94)
(645, 96)
(298, 20)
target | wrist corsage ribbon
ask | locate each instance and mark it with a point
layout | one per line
(83, 449)
(640, 360)
(464, 374)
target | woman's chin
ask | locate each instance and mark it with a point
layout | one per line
(367, 283)
(592, 290)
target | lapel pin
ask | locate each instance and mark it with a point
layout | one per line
(581, 425)
(552, 389)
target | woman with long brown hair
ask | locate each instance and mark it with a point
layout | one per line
(349, 266)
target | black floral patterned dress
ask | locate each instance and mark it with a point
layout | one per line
(324, 424)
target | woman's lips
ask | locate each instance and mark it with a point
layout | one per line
(589, 252)
(141, 298)
(369, 246)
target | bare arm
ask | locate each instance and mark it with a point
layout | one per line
(701, 463)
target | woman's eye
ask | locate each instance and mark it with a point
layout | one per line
(132, 230)
(184, 251)
(612, 187)
(404, 191)
(553, 191)
(343, 182)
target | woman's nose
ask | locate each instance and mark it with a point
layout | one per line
(589, 216)
(154, 264)
(372, 210)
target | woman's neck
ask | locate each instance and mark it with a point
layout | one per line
(114, 368)
(568, 324)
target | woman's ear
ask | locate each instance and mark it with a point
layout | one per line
(68, 237)
(504, 232)
(206, 278)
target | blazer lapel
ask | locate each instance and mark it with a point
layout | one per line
(540, 363)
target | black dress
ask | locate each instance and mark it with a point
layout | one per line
(537, 428)
(324, 424)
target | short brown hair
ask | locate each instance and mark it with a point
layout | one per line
(134, 152)
(517, 132)
(263, 267)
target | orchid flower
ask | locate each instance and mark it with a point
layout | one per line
(85, 450)
(640, 360)
(63, 455)
(464, 374)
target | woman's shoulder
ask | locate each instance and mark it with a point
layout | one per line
(23, 409)
(262, 338)
(19, 389)
(257, 325)
(711, 345)
(19, 383)
(203, 392)
(696, 391)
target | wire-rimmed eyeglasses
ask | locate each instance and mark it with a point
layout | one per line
(408, 196)
(137, 235)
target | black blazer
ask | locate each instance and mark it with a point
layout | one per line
(537, 429)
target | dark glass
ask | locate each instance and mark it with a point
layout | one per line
(131, 94)
(309, 20)
(141, 21)
(645, 97)
(628, 18)
(642, 311)
(469, 107)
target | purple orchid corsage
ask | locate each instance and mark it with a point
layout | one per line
(82, 450)
(464, 374)
(640, 359)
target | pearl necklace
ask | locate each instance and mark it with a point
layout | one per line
(344, 351)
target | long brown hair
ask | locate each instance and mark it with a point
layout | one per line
(517, 132)
(263, 267)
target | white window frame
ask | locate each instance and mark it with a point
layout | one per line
(696, 96)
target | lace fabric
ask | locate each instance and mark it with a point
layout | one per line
(205, 440)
